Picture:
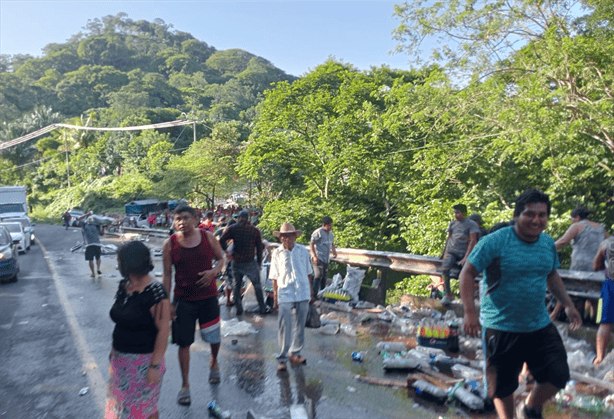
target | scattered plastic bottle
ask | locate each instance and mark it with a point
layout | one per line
(216, 412)
(391, 346)
(466, 397)
(430, 391)
(407, 363)
(357, 356)
(443, 363)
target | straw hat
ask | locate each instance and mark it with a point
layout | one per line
(287, 228)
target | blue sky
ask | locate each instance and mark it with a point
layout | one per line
(295, 36)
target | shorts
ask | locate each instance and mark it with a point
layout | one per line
(605, 309)
(92, 252)
(207, 312)
(506, 352)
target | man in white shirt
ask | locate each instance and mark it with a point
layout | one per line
(292, 277)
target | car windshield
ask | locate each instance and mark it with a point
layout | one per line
(13, 227)
(4, 238)
(11, 208)
(24, 222)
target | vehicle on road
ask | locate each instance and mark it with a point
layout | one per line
(136, 221)
(9, 263)
(74, 217)
(28, 226)
(18, 235)
(13, 201)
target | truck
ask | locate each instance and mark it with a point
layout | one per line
(13, 202)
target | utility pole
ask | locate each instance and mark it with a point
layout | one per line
(67, 166)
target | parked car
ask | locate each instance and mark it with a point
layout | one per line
(136, 221)
(18, 235)
(28, 227)
(9, 263)
(74, 217)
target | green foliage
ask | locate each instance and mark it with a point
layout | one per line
(415, 285)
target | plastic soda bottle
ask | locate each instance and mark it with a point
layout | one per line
(216, 412)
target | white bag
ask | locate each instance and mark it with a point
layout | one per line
(353, 281)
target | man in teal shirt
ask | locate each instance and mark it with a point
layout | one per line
(519, 264)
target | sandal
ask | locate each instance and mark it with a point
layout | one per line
(183, 398)
(281, 366)
(297, 359)
(214, 376)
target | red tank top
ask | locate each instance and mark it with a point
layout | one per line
(189, 261)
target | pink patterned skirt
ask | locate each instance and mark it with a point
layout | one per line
(128, 394)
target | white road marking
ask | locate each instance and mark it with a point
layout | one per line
(94, 377)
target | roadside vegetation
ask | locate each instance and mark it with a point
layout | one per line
(523, 98)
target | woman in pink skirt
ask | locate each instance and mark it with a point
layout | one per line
(141, 313)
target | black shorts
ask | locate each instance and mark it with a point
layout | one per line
(92, 252)
(207, 312)
(506, 352)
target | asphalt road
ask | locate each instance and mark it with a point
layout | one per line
(55, 337)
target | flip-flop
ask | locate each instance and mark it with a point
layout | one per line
(183, 398)
(281, 366)
(214, 376)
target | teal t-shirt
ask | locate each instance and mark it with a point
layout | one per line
(515, 279)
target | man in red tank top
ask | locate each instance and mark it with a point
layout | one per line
(191, 251)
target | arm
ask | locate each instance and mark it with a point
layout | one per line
(556, 287)
(167, 270)
(467, 280)
(161, 313)
(207, 276)
(275, 303)
(259, 247)
(443, 252)
(312, 250)
(333, 250)
(310, 276)
(571, 232)
(473, 239)
(599, 261)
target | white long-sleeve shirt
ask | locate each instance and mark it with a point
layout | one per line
(291, 270)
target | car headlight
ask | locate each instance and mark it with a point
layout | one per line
(6, 254)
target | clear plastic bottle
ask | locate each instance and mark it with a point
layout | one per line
(216, 412)
(430, 391)
(466, 397)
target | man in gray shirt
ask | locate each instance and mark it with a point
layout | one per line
(91, 239)
(322, 244)
(462, 238)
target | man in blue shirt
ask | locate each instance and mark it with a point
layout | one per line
(519, 264)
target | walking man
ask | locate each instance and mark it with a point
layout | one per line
(292, 278)
(247, 247)
(321, 246)
(519, 264)
(462, 237)
(192, 251)
(91, 239)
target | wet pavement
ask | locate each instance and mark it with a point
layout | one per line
(250, 379)
(56, 336)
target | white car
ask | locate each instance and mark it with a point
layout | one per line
(28, 227)
(17, 233)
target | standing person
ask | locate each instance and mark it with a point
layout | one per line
(247, 245)
(207, 223)
(192, 251)
(519, 263)
(141, 313)
(585, 236)
(321, 246)
(66, 219)
(462, 237)
(605, 311)
(292, 277)
(91, 239)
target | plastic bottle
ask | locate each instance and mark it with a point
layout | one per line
(391, 346)
(591, 404)
(443, 363)
(468, 373)
(216, 412)
(430, 391)
(430, 351)
(453, 338)
(407, 363)
(466, 397)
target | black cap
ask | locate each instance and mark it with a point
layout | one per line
(244, 214)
